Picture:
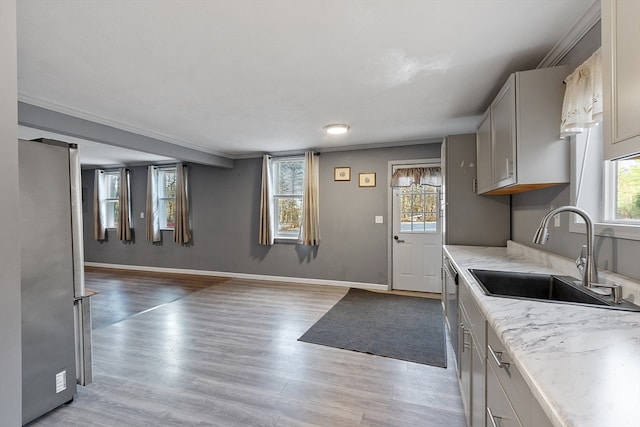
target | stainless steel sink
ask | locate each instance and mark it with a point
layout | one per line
(543, 287)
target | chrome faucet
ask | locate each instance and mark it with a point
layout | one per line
(590, 272)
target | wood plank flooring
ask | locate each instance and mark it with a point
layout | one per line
(225, 353)
(124, 293)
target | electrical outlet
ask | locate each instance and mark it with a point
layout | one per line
(556, 221)
(141, 214)
(379, 219)
(61, 381)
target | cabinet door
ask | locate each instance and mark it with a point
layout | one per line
(464, 362)
(478, 375)
(484, 175)
(503, 134)
(499, 412)
(621, 77)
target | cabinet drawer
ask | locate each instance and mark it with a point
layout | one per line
(499, 411)
(508, 376)
(476, 319)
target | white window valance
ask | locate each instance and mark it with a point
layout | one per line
(405, 177)
(582, 105)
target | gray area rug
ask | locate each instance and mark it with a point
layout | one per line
(395, 326)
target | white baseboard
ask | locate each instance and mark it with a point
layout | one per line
(246, 276)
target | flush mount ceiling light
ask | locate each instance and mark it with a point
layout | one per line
(336, 129)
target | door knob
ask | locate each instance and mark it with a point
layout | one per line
(398, 240)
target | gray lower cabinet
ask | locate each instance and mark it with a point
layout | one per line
(500, 413)
(494, 393)
(509, 399)
(471, 358)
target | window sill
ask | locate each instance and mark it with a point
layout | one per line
(286, 240)
(607, 229)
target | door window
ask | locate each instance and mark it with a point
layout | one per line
(419, 209)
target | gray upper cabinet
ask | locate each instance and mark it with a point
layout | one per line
(483, 154)
(621, 77)
(503, 135)
(518, 139)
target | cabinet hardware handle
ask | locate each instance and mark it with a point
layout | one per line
(492, 417)
(465, 333)
(497, 355)
(508, 173)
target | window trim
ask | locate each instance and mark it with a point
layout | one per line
(111, 200)
(293, 236)
(603, 225)
(161, 199)
(438, 194)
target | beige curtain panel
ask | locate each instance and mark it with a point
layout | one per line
(310, 228)
(99, 214)
(152, 214)
(266, 233)
(405, 177)
(182, 228)
(124, 230)
(582, 105)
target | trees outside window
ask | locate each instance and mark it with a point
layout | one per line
(627, 188)
(167, 197)
(111, 201)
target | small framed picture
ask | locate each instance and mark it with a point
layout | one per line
(342, 174)
(367, 179)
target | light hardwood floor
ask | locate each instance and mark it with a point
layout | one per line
(225, 353)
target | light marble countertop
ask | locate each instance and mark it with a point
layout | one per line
(581, 363)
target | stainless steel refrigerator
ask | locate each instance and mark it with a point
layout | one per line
(469, 219)
(54, 333)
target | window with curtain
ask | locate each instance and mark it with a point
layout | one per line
(112, 198)
(289, 205)
(167, 198)
(288, 187)
(608, 190)
(418, 188)
(168, 203)
(582, 105)
(112, 204)
(405, 177)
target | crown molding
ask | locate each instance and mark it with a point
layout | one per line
(342, 148)
(42, 103)
(585, 23)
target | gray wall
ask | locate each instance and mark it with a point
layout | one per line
(225, 206)
(10, 320)
(618, 255)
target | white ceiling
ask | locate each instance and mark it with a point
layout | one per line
(236, 77)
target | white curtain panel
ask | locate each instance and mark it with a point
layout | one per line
(125, 232)
(152, 214)
(99, 214)
(405, 177)
(310, 228)
(582, 104)
(182, 228)
(266, 232)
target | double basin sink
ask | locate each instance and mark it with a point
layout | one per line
(544, 287)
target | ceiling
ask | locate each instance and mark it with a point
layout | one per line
(240, 77)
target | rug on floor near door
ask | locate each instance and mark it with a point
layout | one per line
(396, 326)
